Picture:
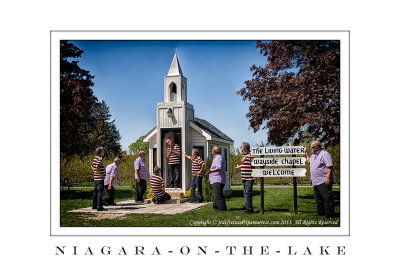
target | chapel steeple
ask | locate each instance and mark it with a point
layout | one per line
(175, 83)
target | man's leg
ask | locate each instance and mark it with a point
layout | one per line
(112, 196)
(107, 196)
(221, 191)
(177, 171)
(94, 205)
(327, 196)
(248, 194)
(193, 189)
(199, 189)
(318, 198)
(170, 176)
(219, 200)
(142, 189)
(137, 191)
(100, 189)
(215, 188)
(164, 197)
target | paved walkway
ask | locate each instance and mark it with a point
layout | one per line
(172, 206)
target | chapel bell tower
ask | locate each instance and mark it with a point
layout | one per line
(173, 120)
(175, 83)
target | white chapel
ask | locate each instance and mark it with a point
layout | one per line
(176, 119)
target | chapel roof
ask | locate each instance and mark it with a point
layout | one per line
(211, 129)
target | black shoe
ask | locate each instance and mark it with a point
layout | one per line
(199, 201)
(102, 209)
(249, 211)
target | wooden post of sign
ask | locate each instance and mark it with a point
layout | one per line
(294, 191)
(262, 193)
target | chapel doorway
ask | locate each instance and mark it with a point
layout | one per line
(175, 135)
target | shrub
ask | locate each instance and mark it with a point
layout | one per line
(148, 193)
(207, 190)
(77, 168)
(189, 192)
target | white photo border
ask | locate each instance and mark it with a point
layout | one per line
(57, 230)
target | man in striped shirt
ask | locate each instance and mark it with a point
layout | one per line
(247, 179)
(174, 163)
(197, 169)
(157, 187)
(99, 174)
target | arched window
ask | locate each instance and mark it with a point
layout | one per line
(183, 92)
(172, 92)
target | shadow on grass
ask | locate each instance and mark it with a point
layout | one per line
(336, 197)
(78, 194)
(239, 193)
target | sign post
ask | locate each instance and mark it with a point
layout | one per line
(292, 162)
(262, 193)
(294, 192)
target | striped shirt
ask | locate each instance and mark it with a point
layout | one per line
(174, 159)
(98, 162)
(246, 167)
(157, 183)
(196, 164)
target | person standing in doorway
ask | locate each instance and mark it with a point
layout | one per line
(173, 156)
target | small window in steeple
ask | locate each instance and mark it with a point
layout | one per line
(172, 89)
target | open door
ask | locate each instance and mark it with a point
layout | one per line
(175, 135)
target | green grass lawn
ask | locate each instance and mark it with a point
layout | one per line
(278, 211)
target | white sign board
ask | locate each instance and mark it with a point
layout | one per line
(278, 162)
(284, 172)
(282, 150)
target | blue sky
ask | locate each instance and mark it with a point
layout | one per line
(129, 77)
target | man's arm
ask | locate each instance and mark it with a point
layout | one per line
(218, 164)
(168, 153)
(328, 176)
(307, 155)
(137, 176)
(202, 167)
(177, 152)
(111, 181)
(186, 156)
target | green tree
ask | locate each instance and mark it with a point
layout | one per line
(76, 100)
(235, 159)
(103, 132)
(138, 145)
(298, 87)
(84, 122)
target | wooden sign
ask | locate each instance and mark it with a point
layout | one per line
(260, 162)
(283, 150)
(282, 172)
